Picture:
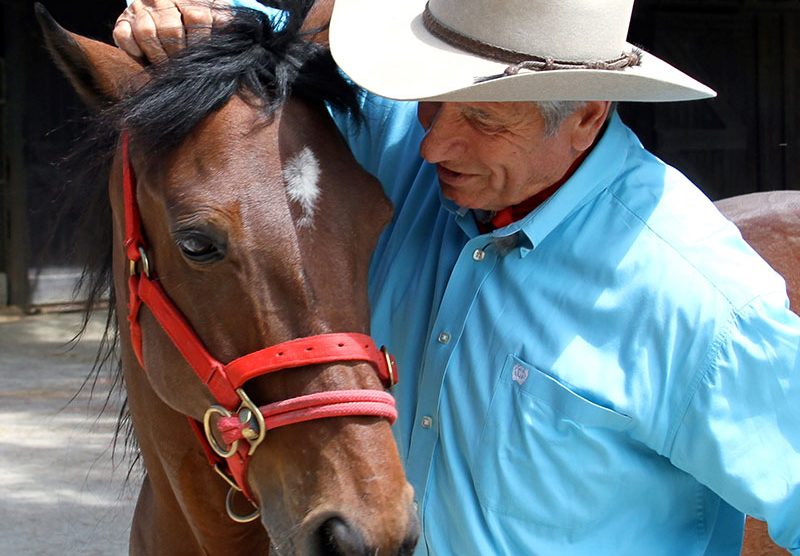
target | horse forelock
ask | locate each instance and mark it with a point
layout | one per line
(263, 62)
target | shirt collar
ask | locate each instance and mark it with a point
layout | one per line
(594, 175)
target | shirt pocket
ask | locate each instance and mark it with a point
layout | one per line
(546, 454)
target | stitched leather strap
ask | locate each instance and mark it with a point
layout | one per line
(312, 350)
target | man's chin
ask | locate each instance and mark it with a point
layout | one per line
(459, 200)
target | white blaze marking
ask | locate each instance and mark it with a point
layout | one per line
(302, 183)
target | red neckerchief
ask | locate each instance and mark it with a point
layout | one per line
(519, 211)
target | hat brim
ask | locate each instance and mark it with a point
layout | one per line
(384, 47)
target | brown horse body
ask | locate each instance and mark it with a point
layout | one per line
(770, 223)
(292, 264)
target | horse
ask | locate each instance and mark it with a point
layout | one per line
(232, 231)
(770, 223)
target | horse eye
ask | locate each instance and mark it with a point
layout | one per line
(198, 247)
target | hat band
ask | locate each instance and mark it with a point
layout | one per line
(520, 60)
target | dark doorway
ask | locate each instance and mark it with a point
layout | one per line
(40, 117)
(748, 138)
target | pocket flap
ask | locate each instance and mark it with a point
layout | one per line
(561, 399)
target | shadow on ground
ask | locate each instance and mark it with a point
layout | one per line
(61, 491)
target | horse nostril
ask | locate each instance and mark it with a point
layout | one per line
(337, 538)
(412, 536)
(408, 546)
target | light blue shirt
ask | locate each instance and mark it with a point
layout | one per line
(617, 373)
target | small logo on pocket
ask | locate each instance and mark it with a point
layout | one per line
(519, 374)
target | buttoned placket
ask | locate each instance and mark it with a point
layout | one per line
(475, 263)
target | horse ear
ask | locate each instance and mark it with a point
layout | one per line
(100, 73)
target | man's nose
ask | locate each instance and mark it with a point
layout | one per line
(442, 141)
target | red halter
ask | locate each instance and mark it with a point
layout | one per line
(237, 417)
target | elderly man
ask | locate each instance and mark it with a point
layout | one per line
(595, 362)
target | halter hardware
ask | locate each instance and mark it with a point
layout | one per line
(233, 515)
(141, 261)
(249, 414)
(232, 491)
(390, 366)
(225, 381)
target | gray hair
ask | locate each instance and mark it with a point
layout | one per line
(554, 112)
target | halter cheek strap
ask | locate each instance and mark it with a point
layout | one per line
(234, 419)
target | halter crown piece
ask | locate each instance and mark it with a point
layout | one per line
(234, 427)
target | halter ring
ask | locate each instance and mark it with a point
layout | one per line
(212, 440)
(133, 264)
(233, 515)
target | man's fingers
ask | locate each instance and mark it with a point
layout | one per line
(197, 20)
(146, 35)
(221, 11)
(157, 29)
(123, 38)
(169, 28)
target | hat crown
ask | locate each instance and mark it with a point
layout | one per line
(569, 30)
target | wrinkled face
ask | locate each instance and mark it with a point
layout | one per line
(492, 155)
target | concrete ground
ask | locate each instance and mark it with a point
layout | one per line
(61, 491)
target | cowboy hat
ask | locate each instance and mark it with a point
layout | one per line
(493, 50)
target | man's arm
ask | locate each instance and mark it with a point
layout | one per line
(153, 30)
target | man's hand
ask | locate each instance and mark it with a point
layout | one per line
(156, 29)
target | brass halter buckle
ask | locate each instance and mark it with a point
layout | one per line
(249, 415)
(389, 365)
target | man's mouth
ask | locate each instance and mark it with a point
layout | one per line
(451, 177)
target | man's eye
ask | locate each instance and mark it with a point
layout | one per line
(198, 247)
(484, 123)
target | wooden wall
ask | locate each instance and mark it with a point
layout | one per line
(748, 138)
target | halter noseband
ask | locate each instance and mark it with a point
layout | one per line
(235, 417)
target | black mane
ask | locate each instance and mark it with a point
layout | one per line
(263, 62)
(267, 62)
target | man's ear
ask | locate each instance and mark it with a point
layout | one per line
(100, 73)
(589, 121)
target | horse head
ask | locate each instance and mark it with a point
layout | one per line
(258, 227)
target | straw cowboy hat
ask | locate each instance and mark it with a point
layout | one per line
(501, 50)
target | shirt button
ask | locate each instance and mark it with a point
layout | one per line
(443, 338)
(426, 422)
(478, 255)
